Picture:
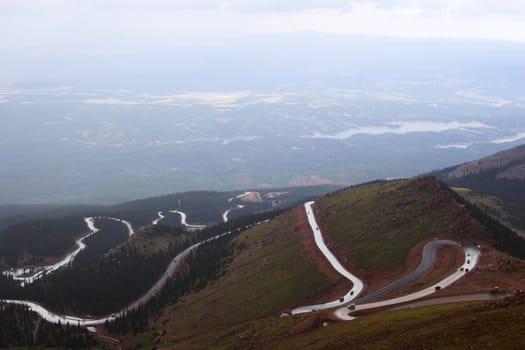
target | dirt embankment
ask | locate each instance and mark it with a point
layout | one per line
(494, 268)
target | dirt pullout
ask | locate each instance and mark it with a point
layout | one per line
(340, 285)
(494, 268)
(251, 197)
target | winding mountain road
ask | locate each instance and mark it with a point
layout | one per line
(73, 320)
(357, 284)
(152, 291)
(363, 303)
(185, 223)
(41, 271)
(426, 264)
(227, 212)
(471, 260)
(159, 218)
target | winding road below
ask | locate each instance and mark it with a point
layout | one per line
(160, 217)
(185, 223)
(184, 216)
(152, 291)
(41, 271)
(73, 320)
(227, 212)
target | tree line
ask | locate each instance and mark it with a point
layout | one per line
(21, 327)
(116, 279)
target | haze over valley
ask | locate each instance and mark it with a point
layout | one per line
(264, 111)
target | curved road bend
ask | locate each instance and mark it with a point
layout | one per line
(160, 217)
(471, 260)
(73, 320)
(183, 221)
(168, 273)
(227, 212)
(44, 270)
(427, 262)
(357, 284)
(128, 225)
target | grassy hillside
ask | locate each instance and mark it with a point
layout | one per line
(378, 224)
(372, 227)
(474, 325)
(269, 274)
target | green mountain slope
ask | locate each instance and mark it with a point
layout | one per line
(268, 275)
(474, 325)
(377, 224)
(372, 228)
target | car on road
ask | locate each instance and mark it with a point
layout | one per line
(351, 306)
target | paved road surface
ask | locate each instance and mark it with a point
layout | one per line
(160, 217)
(357, 284)
(183, 221)
(427, 262)
(168, 273)
(73, 320)
(227, 212)
(471, 259)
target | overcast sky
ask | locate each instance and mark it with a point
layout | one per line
(54, 42)
(127, 24)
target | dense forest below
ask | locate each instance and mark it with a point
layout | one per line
(204, 265)
(27, 238)
(21, 327)
(111, 282)
(29, 242)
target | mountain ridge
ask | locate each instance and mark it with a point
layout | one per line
(202, 319)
